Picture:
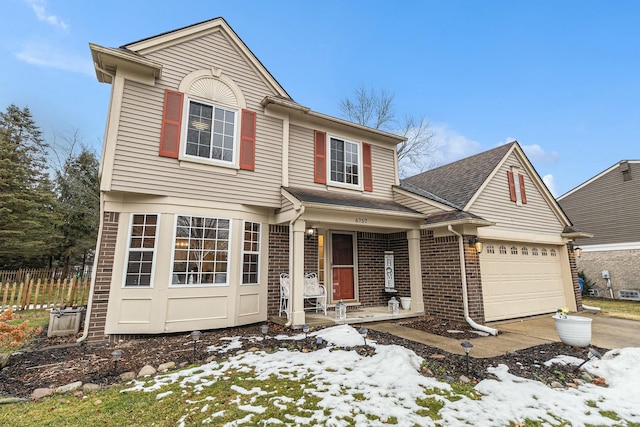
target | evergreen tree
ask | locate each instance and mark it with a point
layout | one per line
(28, 219)
(78, 190)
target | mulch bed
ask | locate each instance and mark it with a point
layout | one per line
(50, 362)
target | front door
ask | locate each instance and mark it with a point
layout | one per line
(342, 266)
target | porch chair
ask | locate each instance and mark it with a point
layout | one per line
(313, 290)
(285, 285)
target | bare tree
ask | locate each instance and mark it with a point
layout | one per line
(376, 109)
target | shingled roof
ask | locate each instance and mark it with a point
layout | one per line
(459, 181)
(347, 200)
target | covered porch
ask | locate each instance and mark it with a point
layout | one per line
(363, 250)
(353, 317)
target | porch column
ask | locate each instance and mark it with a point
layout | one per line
(415, 270)
(296, 257)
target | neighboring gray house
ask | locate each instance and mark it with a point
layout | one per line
(607, 206)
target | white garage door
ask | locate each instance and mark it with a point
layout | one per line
(520, 279)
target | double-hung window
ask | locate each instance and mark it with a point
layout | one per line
(211, 132)
(201, 251)
(344, 161)
(251, 253)
(141, 250)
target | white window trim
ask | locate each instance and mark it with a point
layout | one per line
(173, 254)
(258, 252)
(330, 182)
(183, 156)
(155, 252)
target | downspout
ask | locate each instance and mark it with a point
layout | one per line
(94, 271)
(465, 297)
(591, 308)
(292, 253)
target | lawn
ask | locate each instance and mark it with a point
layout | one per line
(615, 308)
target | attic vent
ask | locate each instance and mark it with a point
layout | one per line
(629, 295)
(626, 171)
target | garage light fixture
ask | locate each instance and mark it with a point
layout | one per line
(475, 243)
(577, 250)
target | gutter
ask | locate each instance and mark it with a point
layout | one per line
(465, 297)
(300, 210)
(85, 332)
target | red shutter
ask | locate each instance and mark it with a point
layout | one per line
(523, 196)
(320, 157)
(171, 121)
(367, 170)
(248, 140)
(512, 186)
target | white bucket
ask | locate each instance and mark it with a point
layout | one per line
(574, 330)
(406, 303)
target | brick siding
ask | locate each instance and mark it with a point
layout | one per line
(623, 266)
(442, 282)
(278, 263)
(106, 254)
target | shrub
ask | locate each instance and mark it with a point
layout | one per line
(13, 335)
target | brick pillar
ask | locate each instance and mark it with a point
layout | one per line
(103, 276)
(574, 279)
(278, 263)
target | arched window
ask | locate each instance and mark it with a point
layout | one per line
(525, 250)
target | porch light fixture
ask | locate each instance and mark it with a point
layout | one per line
(578, 251)
(475, 243)
(310, 232)
(116, 355)
(467, 346)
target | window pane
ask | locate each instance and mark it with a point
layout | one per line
(206, 253)
(141, 250)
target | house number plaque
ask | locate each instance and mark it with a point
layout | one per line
(361, 220)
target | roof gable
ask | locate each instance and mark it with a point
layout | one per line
(460, 181)
(170, 38)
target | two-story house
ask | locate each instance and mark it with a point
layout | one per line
(605, 205)
(214, 181)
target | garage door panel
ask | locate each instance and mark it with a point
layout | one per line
(518, 283)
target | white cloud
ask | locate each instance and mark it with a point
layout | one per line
(538, 154)
(451, 146)
(39, 8)
(550, 182)
(41, 54)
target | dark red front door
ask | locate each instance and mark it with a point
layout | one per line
(342, 266)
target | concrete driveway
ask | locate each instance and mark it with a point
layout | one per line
(606, 332)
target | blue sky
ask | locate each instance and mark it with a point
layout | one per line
(561, 77)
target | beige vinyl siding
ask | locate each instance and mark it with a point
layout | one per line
(286, 205)
(213, 50)
(138, 167)
(607, 207)
(494, 204)
(416, 204)
(301, 164)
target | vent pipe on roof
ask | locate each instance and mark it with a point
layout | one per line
(465, 297)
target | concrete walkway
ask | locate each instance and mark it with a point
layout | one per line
(607, 332)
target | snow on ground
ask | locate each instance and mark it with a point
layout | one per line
(388, 384)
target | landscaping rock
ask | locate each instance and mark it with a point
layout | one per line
(90, 387)
(166, 366)
(128, 376)
(437, 356)
(147, 371)
(556, 384)
(39, 393)
(4, 359)
(464, 379)
(68, 387)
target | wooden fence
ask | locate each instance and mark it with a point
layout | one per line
(44, 294)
